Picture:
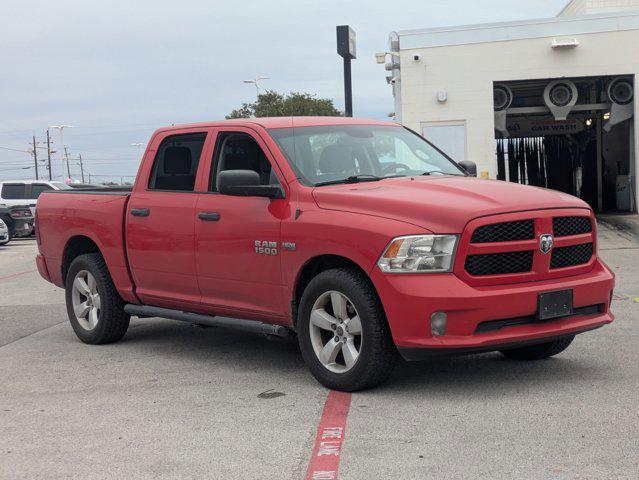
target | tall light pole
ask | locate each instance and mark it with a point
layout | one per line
(62, 150)
(139, 147)
(256, 82)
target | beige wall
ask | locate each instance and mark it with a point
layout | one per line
(467, 72)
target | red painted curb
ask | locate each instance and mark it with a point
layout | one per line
(17, 274)
(327, 451)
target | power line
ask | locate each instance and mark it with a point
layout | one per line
(14, 149)
(14, 169)
(14, 162)
(118, 125)
(113, 176)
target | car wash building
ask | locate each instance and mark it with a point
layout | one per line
(543, 102)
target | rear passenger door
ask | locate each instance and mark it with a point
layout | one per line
(160, 233)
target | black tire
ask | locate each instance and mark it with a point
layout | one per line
(539, 351)
(113, 322)
(378, 354)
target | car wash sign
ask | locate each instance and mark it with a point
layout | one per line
(531, 127)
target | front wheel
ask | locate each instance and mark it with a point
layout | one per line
(95, 309)
(539, 351)
(7, 239)
(343, 333)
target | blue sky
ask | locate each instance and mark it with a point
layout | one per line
(116, 70)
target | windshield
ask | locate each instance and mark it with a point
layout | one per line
(347, 153)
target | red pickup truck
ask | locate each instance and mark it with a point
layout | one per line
(360, 237)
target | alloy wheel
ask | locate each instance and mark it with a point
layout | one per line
(336, 331)
(86, 300)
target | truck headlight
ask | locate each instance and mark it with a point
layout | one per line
(419, 254)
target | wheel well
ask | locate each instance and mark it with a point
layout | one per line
(75, 247)
(314, 267)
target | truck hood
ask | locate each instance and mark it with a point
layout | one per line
(441, 204)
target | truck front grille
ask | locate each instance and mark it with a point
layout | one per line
(571, 255)
(499, 263)
(497, 252)
(505, 232)
(566, 226)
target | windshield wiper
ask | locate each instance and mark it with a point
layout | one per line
(443, 173)
(363, 177)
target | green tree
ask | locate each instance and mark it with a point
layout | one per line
(273, 104)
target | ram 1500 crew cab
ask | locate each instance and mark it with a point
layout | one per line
(360, 237)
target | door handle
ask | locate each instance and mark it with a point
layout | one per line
(209, 216)
(140, 212)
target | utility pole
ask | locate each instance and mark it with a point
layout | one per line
(139, 147)
(61, 128)
(35, 158)
(49, 155)
(81, 168)
(66, 157)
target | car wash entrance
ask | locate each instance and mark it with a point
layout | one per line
(574, 135)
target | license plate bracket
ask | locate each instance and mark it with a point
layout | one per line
(555, 304)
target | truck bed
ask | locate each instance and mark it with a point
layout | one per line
(66, 217)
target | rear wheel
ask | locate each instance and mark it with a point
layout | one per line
(343, 333)
(94, 307)
(539, 351)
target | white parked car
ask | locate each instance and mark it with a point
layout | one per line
(26, 192)
(4, 233)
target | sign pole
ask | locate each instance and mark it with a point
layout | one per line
(346, 48)
(348, 88)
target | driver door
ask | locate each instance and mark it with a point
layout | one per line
(238, 238)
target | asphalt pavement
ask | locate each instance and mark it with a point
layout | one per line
(174, 400)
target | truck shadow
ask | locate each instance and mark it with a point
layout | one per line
(488, 374)
(214, 347)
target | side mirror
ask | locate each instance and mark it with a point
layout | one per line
(246, 183)
(470, 167)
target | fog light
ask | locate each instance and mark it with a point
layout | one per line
(438, 323)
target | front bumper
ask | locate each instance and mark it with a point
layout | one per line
(409, 301)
